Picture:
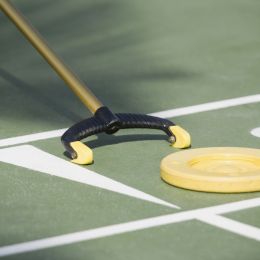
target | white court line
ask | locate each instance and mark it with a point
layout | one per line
(32, 158)
(31, 137)
(208, 106)
(232, 207)
(232, 226)
(132, 226)
(163, 114)
(256, 132)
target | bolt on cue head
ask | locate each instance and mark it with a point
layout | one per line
(172, 139)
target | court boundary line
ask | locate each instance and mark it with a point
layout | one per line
(201, 214)
(204, 107)
(231, 225)
(52, 165)
(210, 106)
(255, 132)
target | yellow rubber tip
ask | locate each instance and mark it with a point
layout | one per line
(84, 153)
(183, 139)
(217, 169)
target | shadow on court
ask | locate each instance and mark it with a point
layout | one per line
(101, 40)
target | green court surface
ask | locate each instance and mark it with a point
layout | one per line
(198, 59)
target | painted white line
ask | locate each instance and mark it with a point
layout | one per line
(32, 158)
(232, 226)
(31, 137)
(92, 234)
(208, 106)
(125, 227)
(163, 114)
(232, 207)
(256, 132)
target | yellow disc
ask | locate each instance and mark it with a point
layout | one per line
(217, 169)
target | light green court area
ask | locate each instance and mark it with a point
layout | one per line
(140, 56)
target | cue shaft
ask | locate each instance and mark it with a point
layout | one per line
(78, 87)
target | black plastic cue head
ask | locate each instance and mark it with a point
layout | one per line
(105, 121)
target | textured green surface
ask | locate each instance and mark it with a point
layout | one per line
(137, 56)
